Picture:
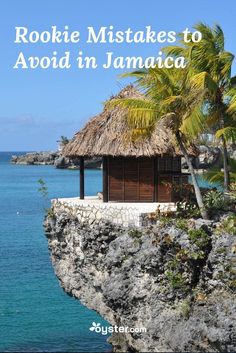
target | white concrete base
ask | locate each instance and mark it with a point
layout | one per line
(93, 209)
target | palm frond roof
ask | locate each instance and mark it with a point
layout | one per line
(107, 133)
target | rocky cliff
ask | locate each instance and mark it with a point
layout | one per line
(56, 159)
(35, 158)
(175, 279)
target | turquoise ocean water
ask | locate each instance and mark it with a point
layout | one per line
(35, 314)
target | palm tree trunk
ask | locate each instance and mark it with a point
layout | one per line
(225, 155)
(226, 165)
(193, 175)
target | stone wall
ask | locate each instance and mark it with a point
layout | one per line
(92, 209)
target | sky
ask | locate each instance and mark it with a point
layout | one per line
(38, 106)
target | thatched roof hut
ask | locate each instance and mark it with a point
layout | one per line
(106, 135)
(140, 170)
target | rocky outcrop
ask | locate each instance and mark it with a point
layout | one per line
(56, 159)
(35, 158)
(174, 279)
(73, 163)
(210, 157)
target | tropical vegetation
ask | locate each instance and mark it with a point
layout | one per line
(189, 101)
(211, 65)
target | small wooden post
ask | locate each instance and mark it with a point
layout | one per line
(155, 176)
(81, 174)
(105, 178)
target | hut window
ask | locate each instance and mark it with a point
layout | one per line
(169, 161)
(176, 164)
(161, 164)
(178, 186)
(169, 164)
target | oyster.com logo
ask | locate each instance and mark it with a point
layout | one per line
(96, 327)
(104, 330)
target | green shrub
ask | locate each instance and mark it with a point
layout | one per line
(165, 221)
(182, 224)
(176, 279)
(199, 237)
(135, 233)
(197, 255)
(185, 307)
(50, 213)
(187, 210)
(215, 200)
(229, 225)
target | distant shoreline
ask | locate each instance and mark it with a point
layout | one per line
(54, 158)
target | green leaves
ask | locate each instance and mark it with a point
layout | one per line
(166, 92)
(216, 176)
(141, 116)
(195, 123)
(225, 64)
(200, 98)
(204, 81)
(43, 189)
(229, 133)
(209, 54)
(230, 97)
(219, 38)
(131, 103)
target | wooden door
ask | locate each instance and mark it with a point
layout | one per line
(131, 180)
(146, 179)
(115, 179)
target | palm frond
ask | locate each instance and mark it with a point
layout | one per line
(225, 64)
(231, 110)
(203, 80)
(233, 81)
(219, 37)
(172, 103)
(174, 50)
(231, 98)
(131, 103)
(206, 31)
(194, 123)
(229, 133)
(137, 74)
(216, 176)
(142, 118)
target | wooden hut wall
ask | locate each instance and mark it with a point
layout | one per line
(143, 179)
(131, 179)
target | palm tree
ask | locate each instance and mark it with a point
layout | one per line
(64, 140)
(170, 97)
(211, 66)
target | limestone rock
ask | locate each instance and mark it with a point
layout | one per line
(177, 286)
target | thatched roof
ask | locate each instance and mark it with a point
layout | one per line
(104, 135)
